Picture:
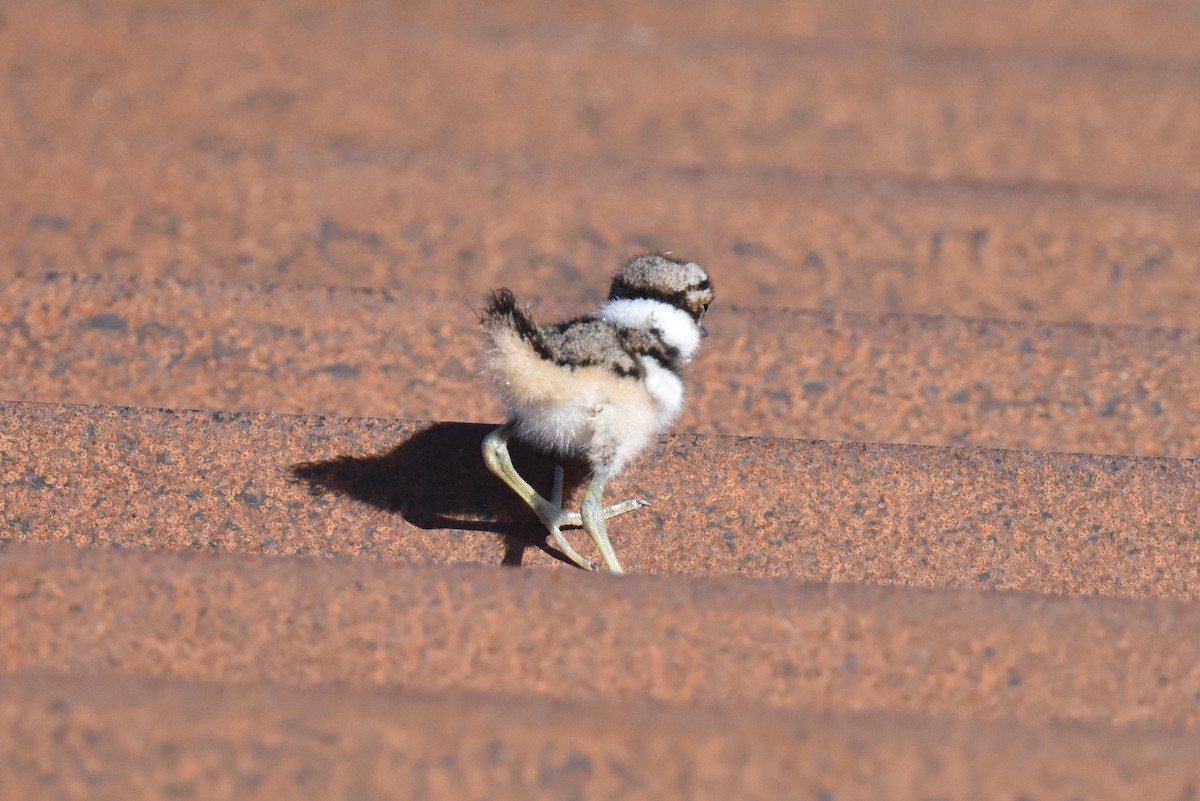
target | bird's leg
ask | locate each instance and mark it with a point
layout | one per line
(550, 512)
(594, 517)
(563, 544)
(552, 515)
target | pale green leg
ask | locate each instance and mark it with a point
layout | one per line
(552, 515)
(594, 521)
(550, 512)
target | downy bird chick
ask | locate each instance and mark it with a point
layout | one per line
(599, 386)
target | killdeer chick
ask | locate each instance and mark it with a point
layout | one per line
(599, 386)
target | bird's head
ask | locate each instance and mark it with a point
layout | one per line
(668, 294)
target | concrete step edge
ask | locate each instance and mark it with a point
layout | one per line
(140, 738)
(401, 490)
(775, 372)
(730, 641)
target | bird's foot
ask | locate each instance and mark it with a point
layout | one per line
(623, 507)
(550, 511)
(565, 518)
(554, 518)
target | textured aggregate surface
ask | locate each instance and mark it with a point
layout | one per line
(299, 622)
(809, 510)
(764, 371)
(929, 529)
(250, 742)
(849, 175)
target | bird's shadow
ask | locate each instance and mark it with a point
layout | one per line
(437, 479)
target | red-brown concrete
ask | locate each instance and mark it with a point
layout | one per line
(111, 737)
(1103, 29)
(767, 372)
(359, 85)
(1032, 161)
(844, 512)
(112, 163)
(571, 635)
(770, 237)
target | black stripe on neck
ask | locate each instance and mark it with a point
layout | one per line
(649, 342)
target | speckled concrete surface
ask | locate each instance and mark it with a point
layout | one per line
(1158, 29)
(109, 737)
(254, 181)
(768, 372)
(1031, 162)
(571, 635)
(844, 512)
(462, 226)
(151, 82)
